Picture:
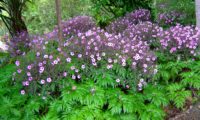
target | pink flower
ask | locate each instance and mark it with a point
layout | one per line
(83, 66)
(17, 63)
(68, 60)
(19, 70)
(117, 80)
(109, 60)
(29, 67)
(78, 76)
(65, 74)
(48, 80)
(58, 59)
(50, 57)
(72, 53)
(37, 54)
(145, 65)
(123, 64)
(98, 58)
(72, 67)
(55, 62)
(42, 82)
(44, 62)
(73, 77)
(140, 85)
(79, 55)
(26, 83)
(109, 66)
(40, 64)
(59, 49)
(46, 56)
(41, 70)
(134, 63)
(28, 74)
(30, 78)
(22, 92)
(127, 86)
(76, 70)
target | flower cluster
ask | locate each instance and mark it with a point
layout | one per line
(97, 45)
(169, 18)
(132, 18)
(73, 26)
(180, 39)
(19, 43)
(144, 31)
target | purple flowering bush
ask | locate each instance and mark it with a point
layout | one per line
(73, 26)
(135, 17)
(144, 31)
(180, 40)
(18, 44)
(169, 18)
(96, 50)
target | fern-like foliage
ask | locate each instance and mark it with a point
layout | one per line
(178, 94)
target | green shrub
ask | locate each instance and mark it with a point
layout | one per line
(104, 11)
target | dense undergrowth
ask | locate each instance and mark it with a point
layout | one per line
(133, 69)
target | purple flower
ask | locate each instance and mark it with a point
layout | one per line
(30, 78)
(49, 80)
(46, 56)
(78, 76)
(83, 66)
(68, 60)
(79, 55)
(42, 82)
(19, 70)
(22, 92)
(17, 63)
(55, 62)
(72, 68)
(117, 80)
(41, 70)
(29, 67)
(50, 57)
(65, 74)
(73, 77)
(37, 54)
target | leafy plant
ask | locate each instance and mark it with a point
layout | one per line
(106, 10)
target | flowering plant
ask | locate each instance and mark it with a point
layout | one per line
(180, 40)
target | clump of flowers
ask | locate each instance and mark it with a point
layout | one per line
(169, 18)
(181, 40)
(97, 46)
(129, 19)
(73, 26)
(144, 31)
(18, 44)
(88, 48)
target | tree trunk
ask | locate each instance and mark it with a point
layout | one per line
(58, 14)
(197, 2)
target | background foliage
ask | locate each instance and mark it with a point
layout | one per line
(40, 15)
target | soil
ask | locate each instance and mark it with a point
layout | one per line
(193, 113)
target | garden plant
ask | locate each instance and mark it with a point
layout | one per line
(133, 68)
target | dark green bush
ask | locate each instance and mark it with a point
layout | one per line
(105, 11)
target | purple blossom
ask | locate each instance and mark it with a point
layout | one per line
(17, 63)
(49, 80)
(22, 92)
(42, 82)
